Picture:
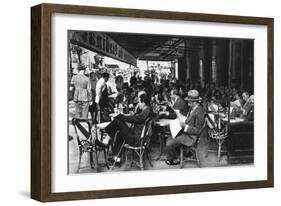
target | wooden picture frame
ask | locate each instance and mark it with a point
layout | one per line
(41, 98)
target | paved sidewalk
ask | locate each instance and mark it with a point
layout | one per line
(158, 164)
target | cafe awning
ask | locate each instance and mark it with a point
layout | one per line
(151, 47)
(127, 47)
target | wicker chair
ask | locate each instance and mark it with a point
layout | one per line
(82, 128)
(216, 132)
(193, 151)
(141, 148)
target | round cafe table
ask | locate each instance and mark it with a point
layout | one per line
(237, 119)
(102, 125)
(163, 122)
(112, 115)
(113, 95)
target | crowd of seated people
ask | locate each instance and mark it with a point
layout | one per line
(169, 94)
(243, 107)
(171, 99)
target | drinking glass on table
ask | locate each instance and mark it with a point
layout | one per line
(116, 109)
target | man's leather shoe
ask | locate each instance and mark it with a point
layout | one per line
(111, 162)
(188, 154)
(171, 162)
(118, 164)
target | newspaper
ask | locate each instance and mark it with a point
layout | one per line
(175, 127)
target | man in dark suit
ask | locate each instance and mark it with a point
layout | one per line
(247, 105)
(177, 104)
(129, 134)
(191, 128)
(248, 112)
(133, 79)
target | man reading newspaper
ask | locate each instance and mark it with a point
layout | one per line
(185, 130)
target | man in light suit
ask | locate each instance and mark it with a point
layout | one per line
(191, 128)
(82, 94)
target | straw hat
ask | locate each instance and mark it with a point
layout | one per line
(193, 96)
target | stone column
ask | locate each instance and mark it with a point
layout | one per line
(214, 62)
(233, 68)
(184, 65)
(201, 66)
(187, 60)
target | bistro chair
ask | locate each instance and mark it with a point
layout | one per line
(82, 128)
(192, 151)
(141, 148)
(217, 132)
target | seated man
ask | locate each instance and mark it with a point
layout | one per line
(248, 112)
(214, 106)
(247, 105)
(236, 100)
(177, 104)
(127, 134)
(191, 128)
(241, 110)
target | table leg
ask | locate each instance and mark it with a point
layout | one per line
(219, 149)
(161, 144)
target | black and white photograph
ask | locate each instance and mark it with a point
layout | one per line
(140, 101)
(132, 102)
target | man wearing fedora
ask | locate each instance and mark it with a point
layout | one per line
(191, 128)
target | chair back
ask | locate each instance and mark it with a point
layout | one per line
(111, 104)
(202, 130)
(146, 132)
(213, 121)
(214, 126)
(82, 128)
(148, 126)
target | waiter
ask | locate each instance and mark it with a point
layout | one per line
(101, 98)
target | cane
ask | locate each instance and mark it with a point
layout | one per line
(119, 152)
